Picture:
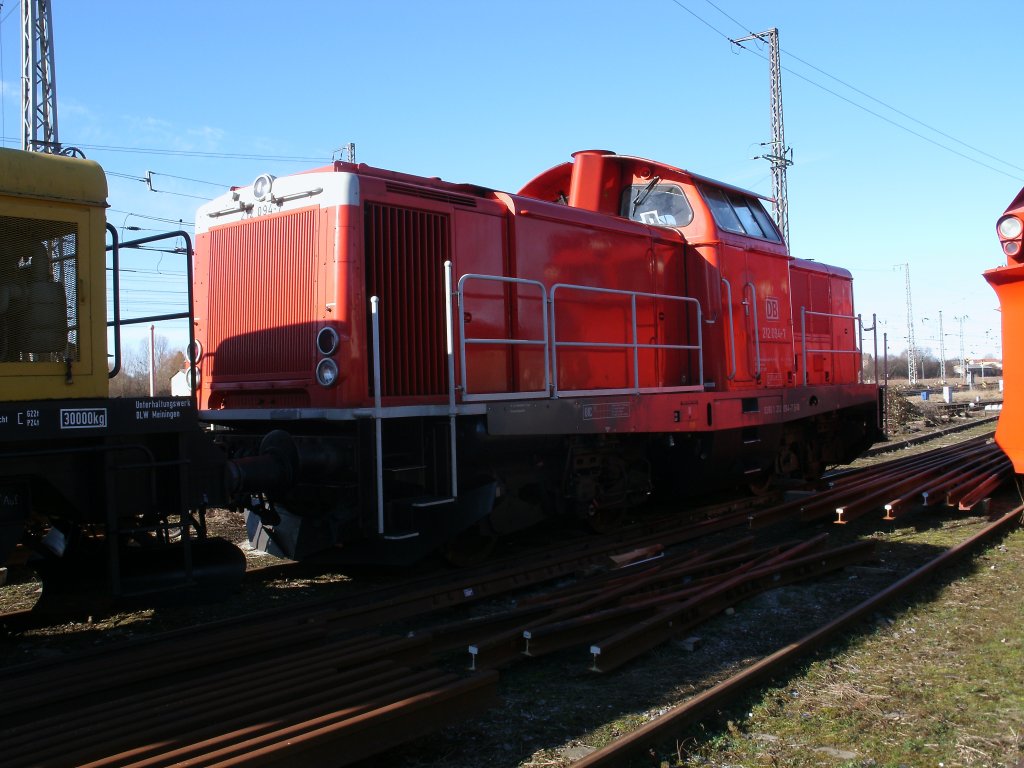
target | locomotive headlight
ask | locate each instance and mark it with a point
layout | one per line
(262, 187)
(1009, 227)
(327, 341)
(1011, 247)
(327, 372)
(194, 352)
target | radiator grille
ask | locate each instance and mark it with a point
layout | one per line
(38, 296)
(440, 195)
(406, 250)
(262, 296)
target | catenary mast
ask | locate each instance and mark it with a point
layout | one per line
(911, 341)
(780, 156)
(39, 84)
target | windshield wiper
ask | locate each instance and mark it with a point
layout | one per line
(642, 195)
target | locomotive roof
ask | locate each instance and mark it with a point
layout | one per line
(51, 177)
(697, 177)
(559, 176)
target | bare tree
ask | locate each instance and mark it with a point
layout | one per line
(133, 378)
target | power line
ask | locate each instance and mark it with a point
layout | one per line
(904, 114)
(858, 105)
(136, 228)
(149, 275)
(153, 218)
(129, 176)
(195, 153)
(197, 181)
(730, 18)
(705, 22)
(900, 126)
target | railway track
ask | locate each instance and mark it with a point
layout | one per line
(639, 743)
(404, 597)
(380, 672)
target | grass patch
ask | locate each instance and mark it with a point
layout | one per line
(937, 683)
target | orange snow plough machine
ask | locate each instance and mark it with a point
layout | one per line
(1008, 283)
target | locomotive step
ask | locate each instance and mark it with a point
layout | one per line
(421, 503)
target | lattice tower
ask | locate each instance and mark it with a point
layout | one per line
(780, 156)
(912, 361)
(963, 354)
(39, 84)
(942, 351)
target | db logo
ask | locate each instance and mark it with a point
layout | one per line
(772, 309)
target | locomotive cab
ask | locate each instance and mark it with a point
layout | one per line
(732, 253)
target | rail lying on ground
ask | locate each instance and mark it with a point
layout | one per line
(960, 475)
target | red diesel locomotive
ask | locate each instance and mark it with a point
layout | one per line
(406, 363)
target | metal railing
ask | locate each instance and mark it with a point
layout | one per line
(548, 344)
(115, 248)
(543, 342)
(757, 330)
(804, 313)
(634, 345)
(860, 344)
(732, 331)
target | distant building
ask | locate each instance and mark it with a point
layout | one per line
(981, 368)
(180, 383)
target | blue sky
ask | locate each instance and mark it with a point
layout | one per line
(493, 93)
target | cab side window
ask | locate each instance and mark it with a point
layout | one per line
(739, 213)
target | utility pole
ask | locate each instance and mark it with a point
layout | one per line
(942, 351)
(963, 356)
(152, 361)
(942, 348)
(780, 156)
(39, 83)
(911, 342)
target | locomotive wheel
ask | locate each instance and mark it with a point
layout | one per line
(763, 485)
(605, 519)
(470, 547)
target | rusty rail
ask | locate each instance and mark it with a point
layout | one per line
(642, 613)
(878, 494)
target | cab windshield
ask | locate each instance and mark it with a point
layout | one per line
(663, 205)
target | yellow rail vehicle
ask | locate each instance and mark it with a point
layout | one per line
(85, 479)
(52, 300)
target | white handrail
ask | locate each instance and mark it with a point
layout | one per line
(375, 316)
(544, 342)
(450, 349)
(732, 332)
(757, 330)
(634, 345)
(804, 312)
